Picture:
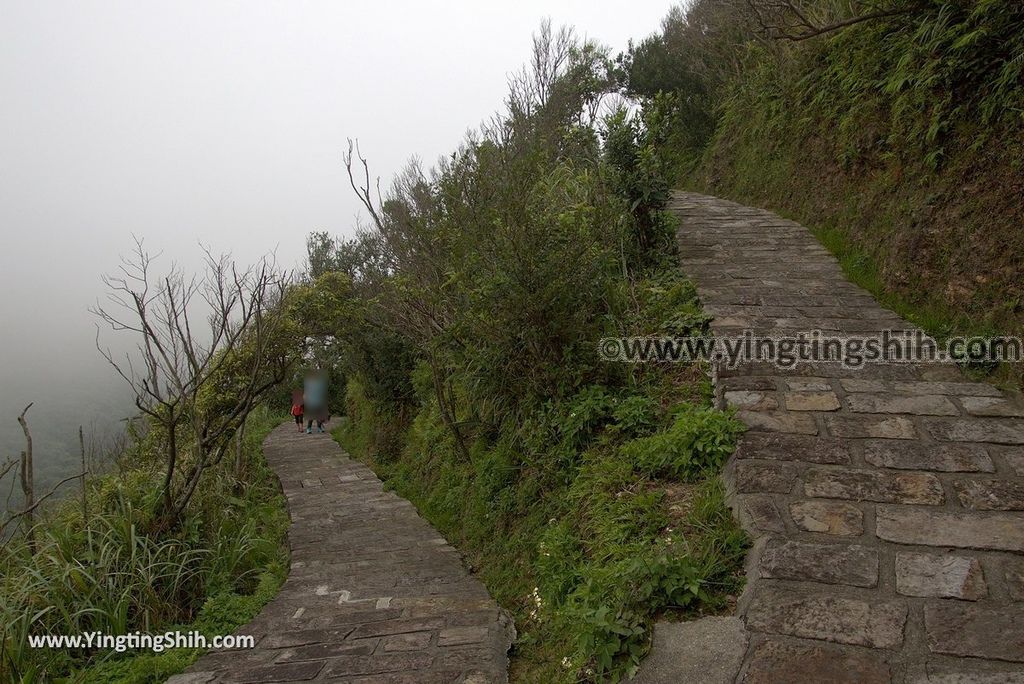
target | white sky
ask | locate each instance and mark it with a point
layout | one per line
(222, 122)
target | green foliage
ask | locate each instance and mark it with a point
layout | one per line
(109, 574)
(640, 179)
(549, 467)
(698, 441)
(635, 415)
(917, 80)
(898, 140)
(902, 86)
(667, 303)
(679, 75)
(570, 513)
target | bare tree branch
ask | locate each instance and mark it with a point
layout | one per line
(28, 487)
(790, 19)
(233, 362)
(28, 513)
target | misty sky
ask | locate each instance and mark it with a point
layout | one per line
(222, 122)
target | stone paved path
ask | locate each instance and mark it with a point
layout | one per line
(374, 593)
(887, 503)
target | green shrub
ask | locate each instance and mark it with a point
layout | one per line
(699, 440)
(567, 519)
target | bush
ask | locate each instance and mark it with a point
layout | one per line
(698, 441)
(567, 513)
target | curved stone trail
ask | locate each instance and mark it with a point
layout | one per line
(886, 502)
(374, 593)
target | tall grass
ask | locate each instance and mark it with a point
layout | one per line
(107, 574)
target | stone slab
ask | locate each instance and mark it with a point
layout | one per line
(709, 650)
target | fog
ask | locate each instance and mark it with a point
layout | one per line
(221, 123)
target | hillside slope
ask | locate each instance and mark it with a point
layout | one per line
(898, 141)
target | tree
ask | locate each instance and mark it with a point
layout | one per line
(197, 385)
(26, 477)
(494, 267)
(415, 302)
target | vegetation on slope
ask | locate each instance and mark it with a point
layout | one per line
(600, 510)
(899, 140)
(114, 572)
(468, 316)
(187, 532)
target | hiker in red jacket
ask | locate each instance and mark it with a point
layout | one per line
(298, 408)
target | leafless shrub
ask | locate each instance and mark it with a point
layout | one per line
(197, 385)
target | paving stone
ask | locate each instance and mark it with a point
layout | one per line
(752, 400)
(1014, 457)
(408, 642)
(371, 587)
(922, 405)
(970, 630)
(827, 517)
(993, 406)
(972, 389)
(431, 676)
(939, 527)
(460, 657)
(759, 513)
(809, 385)
(234, 660)
(325, 651)
(931, 575)
(787, 662)
(827, 563)
(764, 476)
(1013, 575)
(812, 401)
(747, 383)
(779, 421)
(460, 636)
(944, 457)
(893, 427)
(861, 385)
(291, 672)
(993, 430)
(378, 664)
(478, 678)
(399, 626)
(896, 426)
(970, 676)
(990, 494)
(708, 650)
(873, 485)
(782, 447)
(875, 623)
